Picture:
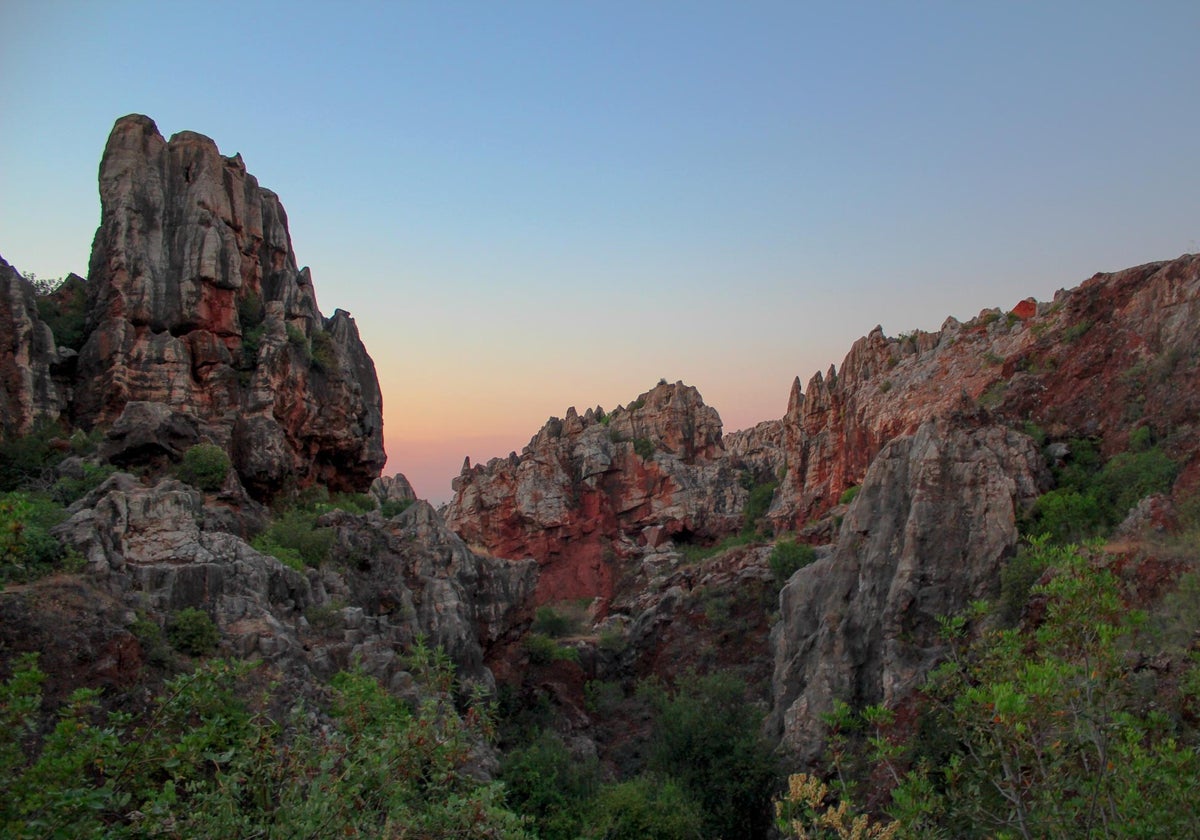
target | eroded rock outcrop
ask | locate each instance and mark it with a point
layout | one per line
(195, 302)
(591, 490)
(934, 520)
(1118, 352)
(388, 582)
(34, 384)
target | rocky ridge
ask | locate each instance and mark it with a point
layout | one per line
(590, 490)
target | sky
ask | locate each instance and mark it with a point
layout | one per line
(530, 206)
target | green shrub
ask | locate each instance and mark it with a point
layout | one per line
(193, 632)
(644, 808)
(1076, 331)
(28, 458)
(352, 502)
(64, 310)
(293, 537)
(324, 352)
(205, 466)
(550, 622)
(644, 447)
(849, 495)
(788, 556)
(543, 650)
(549, 786)
(707, 737)
(209, 760)
(27, 549)
(757, 505)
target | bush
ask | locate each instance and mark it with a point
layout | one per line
(849, 495)
(26, 459)
(543, 650)
(27, 548)
(64, 309)
(324, 352)
(788, 556)
(645, 808)
(295, 539)
(707, 737)
(550, 622)
(548, 785)
(206, 762)
(191, 631)
(757, 505)
(205, 466)
(644, 447)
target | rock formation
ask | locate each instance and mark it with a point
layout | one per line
(33, 370)
(590, 490)
(928, 532)
(195, 304)
(1113, 354)
(388, 582)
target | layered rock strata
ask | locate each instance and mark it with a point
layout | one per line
(196, 303)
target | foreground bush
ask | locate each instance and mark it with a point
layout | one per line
(204, 763)
(205, 467)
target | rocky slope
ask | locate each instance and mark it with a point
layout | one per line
(589, 491)
(1118, 352)
(200, 326)
(34, 371)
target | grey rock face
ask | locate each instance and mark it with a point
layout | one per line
(388, 582)
(928, 533)
(195, 302)
(31, 387)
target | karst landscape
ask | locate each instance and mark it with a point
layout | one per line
(952, 592)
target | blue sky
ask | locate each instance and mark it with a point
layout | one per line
(528, 206)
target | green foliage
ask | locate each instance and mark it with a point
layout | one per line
(394, 507)
(543, 650)
(205, 466)
(27, 548)
(1045, 730)
(849, 494)
(295, 539)
(644, 447)
(324, 352)
(193, 632)
(1091, 499)
(757, 505)
(1076, 331)
(29, 457)
(203, 763)
(885, 386)
(645, 808)
(636, 404)
(545, 783)
(707, 737)
(1053, 739)
(64, 309)
(787, 557)
(251, 311)
(352, 502)
(549, 622)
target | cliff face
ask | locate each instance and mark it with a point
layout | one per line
(195, 302)
(1113, 354)
(934, 521)
(591, 490)
(33, 371)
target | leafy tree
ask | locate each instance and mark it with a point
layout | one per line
(645, 808)
(707, 738)
(546, 783)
